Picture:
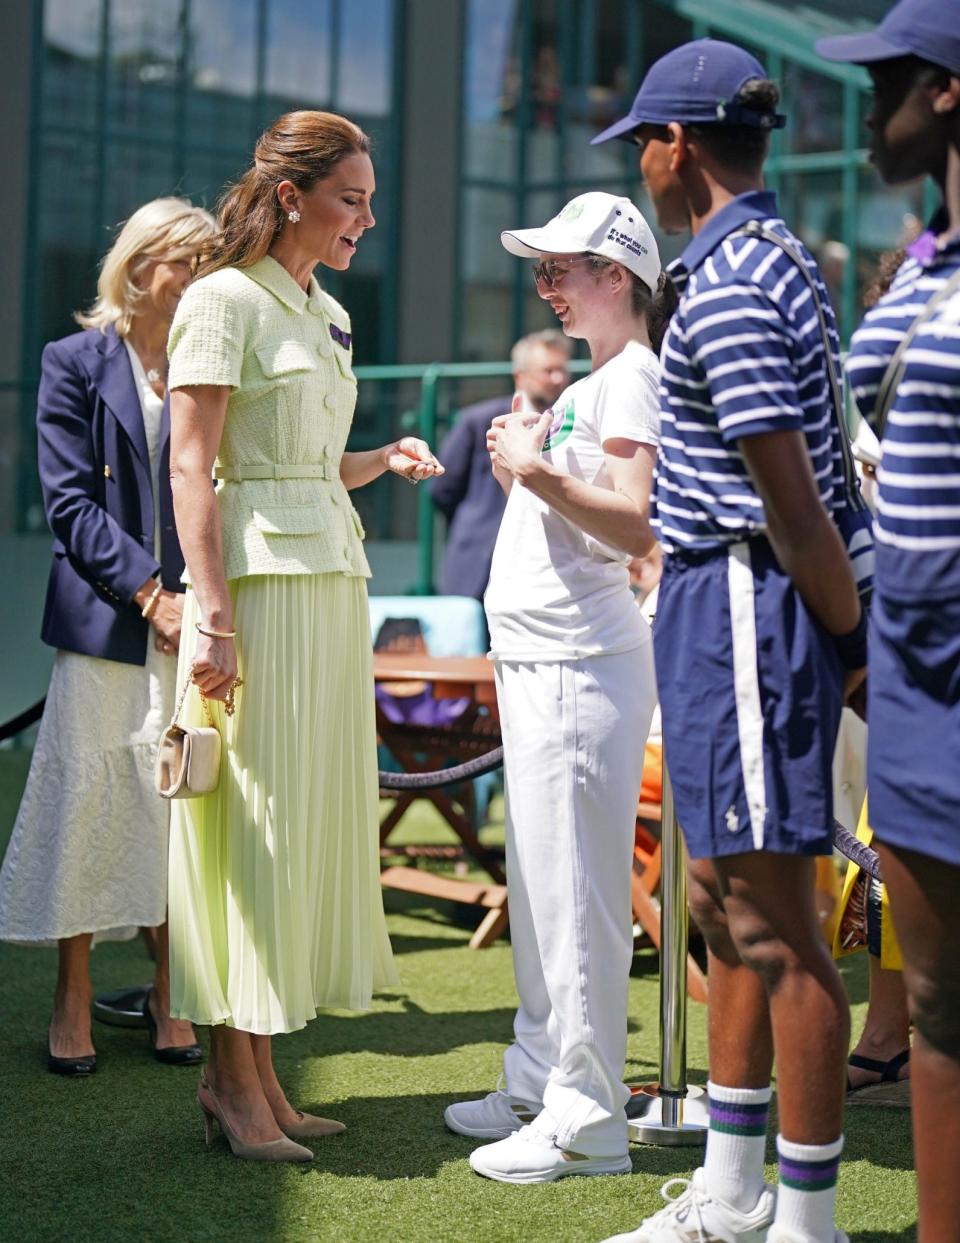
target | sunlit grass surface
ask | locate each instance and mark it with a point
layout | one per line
(120, 1157)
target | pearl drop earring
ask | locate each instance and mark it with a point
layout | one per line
(293, 216)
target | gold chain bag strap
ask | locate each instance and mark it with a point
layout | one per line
(188, 758)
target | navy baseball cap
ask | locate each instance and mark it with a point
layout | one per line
(929, 29)
(696, 84)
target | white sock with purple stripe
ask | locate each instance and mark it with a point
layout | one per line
(736, 1143)
(808, 1189)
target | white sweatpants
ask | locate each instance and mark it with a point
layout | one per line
(573, 735)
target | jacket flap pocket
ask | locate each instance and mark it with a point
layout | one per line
(345, 363)
(357, 524)
(282, 357)
(288, 519)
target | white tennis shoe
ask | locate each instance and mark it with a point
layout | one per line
(778, 1235)
(496, 1116)
(529, 1156)
(695, 1216)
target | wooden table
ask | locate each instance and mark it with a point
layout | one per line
(452, 677)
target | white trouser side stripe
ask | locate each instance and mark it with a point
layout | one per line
(746, 684)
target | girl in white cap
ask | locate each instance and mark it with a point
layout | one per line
(575, 685)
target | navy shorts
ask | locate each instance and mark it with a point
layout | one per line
(751, 691)
(913, 751)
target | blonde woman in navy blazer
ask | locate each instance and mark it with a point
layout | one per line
(87, 859)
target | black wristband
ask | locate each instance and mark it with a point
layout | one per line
(852, 647)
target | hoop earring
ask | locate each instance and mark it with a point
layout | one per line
(293, 216)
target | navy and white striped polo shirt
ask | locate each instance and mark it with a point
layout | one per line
(743, 355)
(917, 528)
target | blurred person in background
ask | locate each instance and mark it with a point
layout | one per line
(88, 855)
(468, 495)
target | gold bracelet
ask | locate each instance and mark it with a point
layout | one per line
(151, 604)
(215, 634)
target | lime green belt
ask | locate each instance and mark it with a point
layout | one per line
(240, 474)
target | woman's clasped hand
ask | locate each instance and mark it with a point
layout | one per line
(411, 459)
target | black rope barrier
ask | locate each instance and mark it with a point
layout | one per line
(856, 851)
(19, 723)
(849, 846)
(443, 776)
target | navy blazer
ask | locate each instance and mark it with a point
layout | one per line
(471, 499)
(95, 476)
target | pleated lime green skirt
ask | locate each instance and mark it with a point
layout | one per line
(275, 901)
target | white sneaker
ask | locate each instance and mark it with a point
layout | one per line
(695, 1216)
(495, 1117)
(779, 1235)
(529, 1156)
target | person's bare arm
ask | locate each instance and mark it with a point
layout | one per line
(197, 416)
(408, 457)
(619, 516)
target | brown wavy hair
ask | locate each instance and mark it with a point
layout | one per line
(303, 147)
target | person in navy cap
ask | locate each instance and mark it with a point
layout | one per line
(759, 633)
(913, 760)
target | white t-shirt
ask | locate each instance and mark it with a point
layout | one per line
(556, 593)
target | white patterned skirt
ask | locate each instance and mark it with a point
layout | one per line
(88, 851)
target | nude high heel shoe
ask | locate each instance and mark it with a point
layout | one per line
(272, 1150)
(309, 1126)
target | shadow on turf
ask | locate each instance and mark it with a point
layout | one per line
(406, 1032)
(403, 1137)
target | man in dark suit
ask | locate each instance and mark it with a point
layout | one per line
(467, 494)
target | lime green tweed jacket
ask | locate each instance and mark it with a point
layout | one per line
(286, 356)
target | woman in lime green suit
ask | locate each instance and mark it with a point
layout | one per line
(275, 906)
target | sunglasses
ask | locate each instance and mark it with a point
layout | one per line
(551, 272)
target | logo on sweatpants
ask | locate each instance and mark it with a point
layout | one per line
(732, 819)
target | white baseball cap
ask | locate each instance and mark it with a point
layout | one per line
(595, 224)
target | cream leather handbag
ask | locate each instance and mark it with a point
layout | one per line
(188, 758)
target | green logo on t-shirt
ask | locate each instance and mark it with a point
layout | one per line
(560, 428)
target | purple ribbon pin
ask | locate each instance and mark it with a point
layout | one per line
(342, 338)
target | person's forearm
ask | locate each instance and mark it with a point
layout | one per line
(503, 478)
(608, 516)
(813, 556)
(357, 469)
(197, 516)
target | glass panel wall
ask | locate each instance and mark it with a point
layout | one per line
(152, 97)
(541, 77)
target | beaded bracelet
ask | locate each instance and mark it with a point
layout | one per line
(215, 634)
(151, 604)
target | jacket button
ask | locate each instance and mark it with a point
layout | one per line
(107, 473)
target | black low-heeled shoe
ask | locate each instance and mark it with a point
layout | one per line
(174, 1054)
(74, 1066)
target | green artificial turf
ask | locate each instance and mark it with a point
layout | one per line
(120, 1158)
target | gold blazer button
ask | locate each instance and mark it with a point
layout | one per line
(107, 473)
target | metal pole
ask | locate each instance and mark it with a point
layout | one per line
(670, 1113)
(425, 525)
